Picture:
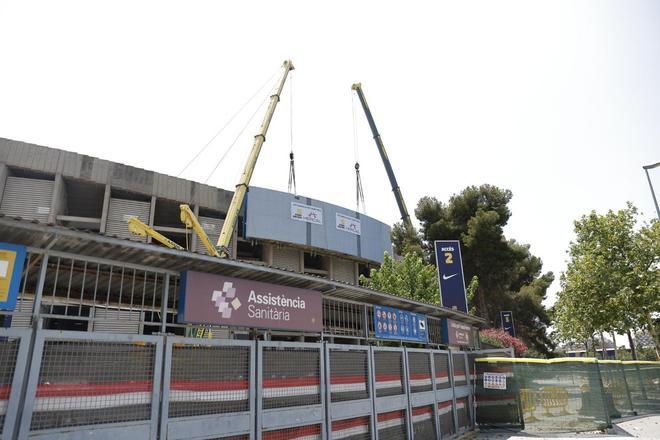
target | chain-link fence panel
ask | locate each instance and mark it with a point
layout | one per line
(349, 371)
(446, 417)
(290, 377)
(80, 380)
(463, 413)
(14, 348)
(441, 364)
(419, 368)
(209, 380)
(392, 425)
(389, 370)
(498, 407)
(423, 423)
(555, 395)
(357, 428)
(459, 373)
(91, 382)
(309, 432)
(8, 356)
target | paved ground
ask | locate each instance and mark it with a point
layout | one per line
(644, 427)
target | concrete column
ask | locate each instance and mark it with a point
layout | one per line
(301, 264)
(152, 213)
(57, 200)
(106, 206)
(4, 172)
(331, 267)
(194, 241)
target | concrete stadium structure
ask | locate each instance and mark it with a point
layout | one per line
(97, 306)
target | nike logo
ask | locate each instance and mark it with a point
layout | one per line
(445, 277)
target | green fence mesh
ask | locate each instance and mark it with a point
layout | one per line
(643, 379)
(567, 394)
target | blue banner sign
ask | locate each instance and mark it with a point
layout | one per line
(507, 323)
(450, 275)
(397, 324)
(12, 258)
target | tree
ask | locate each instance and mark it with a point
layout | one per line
(612, 279)
(410, 277)
(406, 240)
(509, 276)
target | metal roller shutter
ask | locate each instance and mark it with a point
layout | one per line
(343, 270)
(286, 258)
(119, 210)
(212, 227)
(117, 321)
(27, 198)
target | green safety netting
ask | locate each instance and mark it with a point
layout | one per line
(567, 394)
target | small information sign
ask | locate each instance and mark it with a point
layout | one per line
(495, 381)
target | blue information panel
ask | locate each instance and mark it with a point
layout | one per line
(398, 324)
(450, 274)
(507, 323)
(12, 258)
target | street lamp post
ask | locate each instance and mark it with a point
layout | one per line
(646, 170)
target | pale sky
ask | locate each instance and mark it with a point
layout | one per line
(558, 101)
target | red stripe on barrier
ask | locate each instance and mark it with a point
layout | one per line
(444, 404)
(92, 389)
(441, 374)
(387, 377)
(384, 417)
(291, 433)
(337, 380)
(209, 385)
(422, 410)
(350, 423)
(290, 382)
(4, 392)
(418, 376)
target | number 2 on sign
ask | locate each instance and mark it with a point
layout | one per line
(449, 258)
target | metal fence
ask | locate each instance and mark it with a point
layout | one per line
(565, 394)
(146, 386)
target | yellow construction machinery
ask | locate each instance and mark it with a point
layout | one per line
(189, 218)
(137, 227)
(241, 188)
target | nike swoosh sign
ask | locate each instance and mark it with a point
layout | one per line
(445, 277)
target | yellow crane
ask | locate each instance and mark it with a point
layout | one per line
(241, 188)
(137, 227)
(188, 217)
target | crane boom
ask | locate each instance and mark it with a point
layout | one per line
(383, 155)
(242, 186)
(140, 228)
(188, 218)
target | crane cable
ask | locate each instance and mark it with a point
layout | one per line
(227, 124)
(217, 164)
(359, 192)
(292, 168)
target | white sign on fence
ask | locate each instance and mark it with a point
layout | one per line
(306, 213)
(495, 381)
(348, 224)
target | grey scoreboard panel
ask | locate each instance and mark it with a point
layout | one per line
(279, 216)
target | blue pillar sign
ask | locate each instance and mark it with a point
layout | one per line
(507, 322)
(450, 274)
(12, 258)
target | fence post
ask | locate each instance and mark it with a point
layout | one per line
(163, 306)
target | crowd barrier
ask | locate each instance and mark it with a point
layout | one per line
(64, 384)
(567, 394)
